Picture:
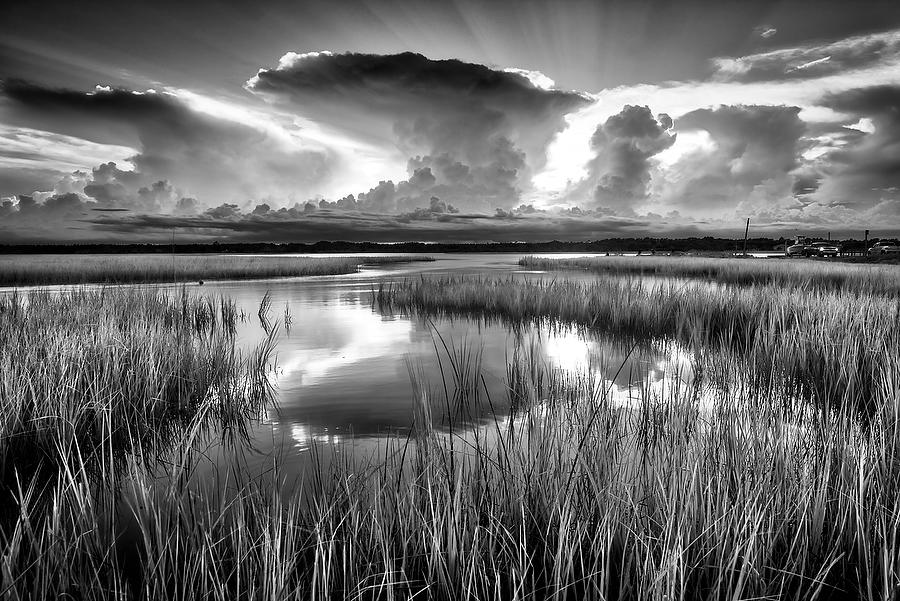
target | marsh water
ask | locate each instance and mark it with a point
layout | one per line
(343, 371)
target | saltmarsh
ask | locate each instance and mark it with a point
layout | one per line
(827, 345)
(774, 474)
(113, 370)
(43, 270)
(814, 275)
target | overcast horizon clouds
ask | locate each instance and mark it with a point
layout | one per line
(453, 121)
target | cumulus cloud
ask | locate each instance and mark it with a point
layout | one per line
(748, 164)
(436, 209)
(473, 188)
(64, 211)
(570, 151)
(448, 104)
(481, 131)
(58, 216)
(619, 175)
(110, 186)
(457, 146)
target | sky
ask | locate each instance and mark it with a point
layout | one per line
(447, 121)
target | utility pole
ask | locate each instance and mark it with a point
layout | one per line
(866, 244)
(746, 232)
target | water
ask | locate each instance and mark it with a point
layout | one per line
(343, 369)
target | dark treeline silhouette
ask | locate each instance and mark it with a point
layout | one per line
(705, 244)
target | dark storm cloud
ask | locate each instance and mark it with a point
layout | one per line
(467, 95)
(811, 61)
(625, 143)
(213, 158)
(866, 168)
(480, 131)
(754, 153)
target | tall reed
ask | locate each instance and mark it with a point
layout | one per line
(573, 496)
(730, 488)
(832, 345)
(802, 273)
(26, 270)
(87, 372)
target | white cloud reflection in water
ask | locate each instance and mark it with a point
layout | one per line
(344, 335)
(342, 382)
(628, 378)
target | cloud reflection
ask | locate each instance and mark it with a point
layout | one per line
(336, 339)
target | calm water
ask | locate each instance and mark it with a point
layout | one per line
(343, 369)
(342, 373)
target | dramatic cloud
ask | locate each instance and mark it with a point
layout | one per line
(434, 105)
(35, 158)
(65, 211)
(625, 143)
(436, 209)
(400, 146)
(864, 170)
(481, 132)
(111, 187)
(762, 139)
(428, 224)
(211, 158)
(58, 217)
(748, 160)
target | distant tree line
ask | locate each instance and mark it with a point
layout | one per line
(611, 245)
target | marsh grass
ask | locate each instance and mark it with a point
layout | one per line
(578, 498)
(90, 376)
(571, 497)
(42, 270)
(803, 273)
(751, 494)
(829, 346)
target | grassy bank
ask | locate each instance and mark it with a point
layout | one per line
(42, 270)
(803, 273)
